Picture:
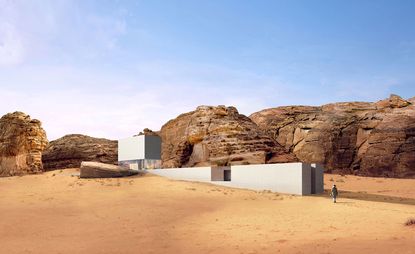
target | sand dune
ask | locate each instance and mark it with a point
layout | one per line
(59, 213)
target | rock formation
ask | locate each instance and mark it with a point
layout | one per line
(217, 136)
(147, 132)
(375, 139)
(91, 169)
(22, 141)
(70, 150)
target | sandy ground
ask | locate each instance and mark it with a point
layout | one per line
(59, 213)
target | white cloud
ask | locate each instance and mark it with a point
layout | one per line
(61, 29)
(11, 47)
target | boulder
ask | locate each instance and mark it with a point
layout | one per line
(91, 169)
(70, 150)
(22, 141)
(394, 101)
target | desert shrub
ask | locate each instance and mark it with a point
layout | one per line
(410, 222)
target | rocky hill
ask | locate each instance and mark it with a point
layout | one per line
(217, 135)
(374, 139)
(70, 150)
(22, 141)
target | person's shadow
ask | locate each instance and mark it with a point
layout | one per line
(344, 202)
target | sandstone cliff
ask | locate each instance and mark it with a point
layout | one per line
(70, 150)
(219, 136)
(22, 141)
(375, 139)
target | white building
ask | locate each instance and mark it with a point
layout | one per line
(140, 152)
(144, 152)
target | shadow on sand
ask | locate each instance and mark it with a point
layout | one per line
(369, 197)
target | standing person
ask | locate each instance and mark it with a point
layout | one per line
(334, 193)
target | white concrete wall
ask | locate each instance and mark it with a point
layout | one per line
(200, 174)
(291, 178)
(283, 178)
(131, 148)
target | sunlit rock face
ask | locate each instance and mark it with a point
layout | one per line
(22, 141)
(373, 139)
(217, 136)
(70, 150)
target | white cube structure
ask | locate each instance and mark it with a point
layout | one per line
(140, 152)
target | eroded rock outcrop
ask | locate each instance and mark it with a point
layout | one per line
(148, 132)
(375, 139)
(70, 150)
(217, 136)
(22, 141)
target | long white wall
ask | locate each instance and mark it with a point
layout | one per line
(201, 174)
(292, 178)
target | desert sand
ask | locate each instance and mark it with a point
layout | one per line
(56, 212)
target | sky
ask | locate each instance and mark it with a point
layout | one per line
(112, 68)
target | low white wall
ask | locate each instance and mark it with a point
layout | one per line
(283, 178)
(201, 174)
(291, 178)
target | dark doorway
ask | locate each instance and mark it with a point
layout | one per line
(313, 180)
(220, 173)
(227, 175)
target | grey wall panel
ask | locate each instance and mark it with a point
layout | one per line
(318, 171)
(152, 147)
(306, 179)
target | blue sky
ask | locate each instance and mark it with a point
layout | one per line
(111, 68)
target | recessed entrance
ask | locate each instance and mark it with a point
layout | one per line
(220, 173)
(227, 175)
